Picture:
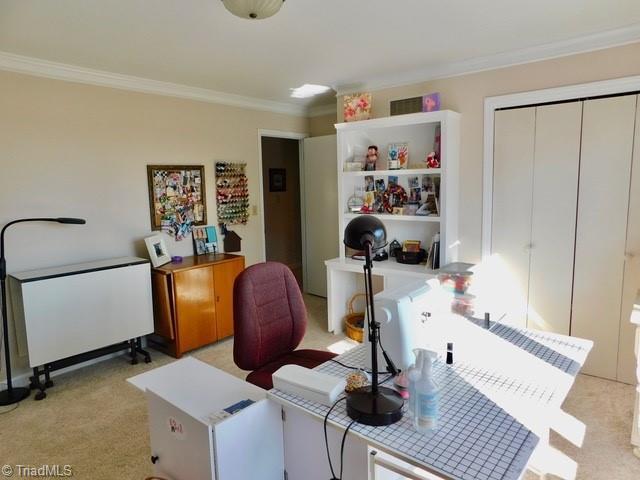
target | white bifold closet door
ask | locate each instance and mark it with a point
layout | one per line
(631, 282)
(553, 220)
(605, 174)
(536, 162)
(512, 193)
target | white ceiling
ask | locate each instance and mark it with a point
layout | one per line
(340, 43)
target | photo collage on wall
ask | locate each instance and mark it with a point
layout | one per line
(176, 198)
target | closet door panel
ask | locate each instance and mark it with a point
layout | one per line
(512, 190)
(605, 165)
(631, 282)
(553, 227)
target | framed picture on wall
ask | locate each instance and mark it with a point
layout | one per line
(277, 180)
(176, 197)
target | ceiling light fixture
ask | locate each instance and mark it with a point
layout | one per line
(308, 90)
(253, 9)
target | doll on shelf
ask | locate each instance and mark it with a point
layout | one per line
(372, 158)
(432, 160)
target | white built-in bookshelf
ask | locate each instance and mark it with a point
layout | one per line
(418, 130)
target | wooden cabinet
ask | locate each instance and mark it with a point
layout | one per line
(193, 301)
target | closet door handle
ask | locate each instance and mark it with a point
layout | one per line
(527, 247)
(629, 255)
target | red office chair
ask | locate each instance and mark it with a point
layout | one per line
(269, 321)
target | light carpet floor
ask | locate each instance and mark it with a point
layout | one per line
(93, 420)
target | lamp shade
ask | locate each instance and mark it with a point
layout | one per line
(253, 9)
(71, 221)
(365, 229)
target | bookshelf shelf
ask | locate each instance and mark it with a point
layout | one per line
(419, 132)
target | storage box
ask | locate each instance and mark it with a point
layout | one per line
(309, 384)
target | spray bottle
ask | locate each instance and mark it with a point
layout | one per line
(413, 376)
(426, 394)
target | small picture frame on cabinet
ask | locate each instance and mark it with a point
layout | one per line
(157, 248)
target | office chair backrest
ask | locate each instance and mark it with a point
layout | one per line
(269, 315)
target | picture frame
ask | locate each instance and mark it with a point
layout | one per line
(177, 197)
(277, 180)
(431, 102)
(158, 252)
(205, 240)
(356, 107)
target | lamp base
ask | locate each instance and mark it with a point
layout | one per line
(14, 396)
(383, 408)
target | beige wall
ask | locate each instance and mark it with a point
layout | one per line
(466, 94)
(322, 125)
(69, 149)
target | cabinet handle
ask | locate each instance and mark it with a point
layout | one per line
(218, 298)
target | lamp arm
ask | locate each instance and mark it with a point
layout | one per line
(3, 263)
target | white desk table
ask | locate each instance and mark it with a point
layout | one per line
(498, 402)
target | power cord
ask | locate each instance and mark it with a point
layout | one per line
(326, 439)
(344, 437)
(10, 409)
(352, 367)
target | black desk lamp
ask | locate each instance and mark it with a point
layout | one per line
(14, 395)
(373, 404)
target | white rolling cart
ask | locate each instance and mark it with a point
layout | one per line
(418, 130)
(193, 437)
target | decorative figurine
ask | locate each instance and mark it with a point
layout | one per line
(432, 160)
(372, 158)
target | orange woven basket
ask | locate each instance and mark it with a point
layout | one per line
(352, 318)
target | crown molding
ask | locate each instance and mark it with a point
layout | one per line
(583, 44)
(60, 71)
(320, 110)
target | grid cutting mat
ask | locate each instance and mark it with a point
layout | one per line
(475, 439)
(565, 353)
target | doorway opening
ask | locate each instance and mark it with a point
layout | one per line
(282, 202)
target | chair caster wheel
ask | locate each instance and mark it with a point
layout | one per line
(147, 360)
(40, 396)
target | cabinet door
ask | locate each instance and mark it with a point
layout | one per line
(512, 191)
(631, 283)
(162, 305)
(605, 168)
(553, 224)
(195, 308)
(224, 276)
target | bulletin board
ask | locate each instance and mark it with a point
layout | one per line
(177, 199)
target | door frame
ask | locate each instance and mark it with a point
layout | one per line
(291, 136)
(523, 99)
